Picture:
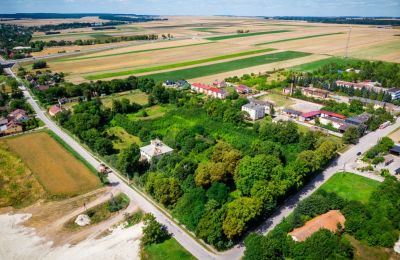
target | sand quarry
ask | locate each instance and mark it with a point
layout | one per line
(366, 42)
(37, 232)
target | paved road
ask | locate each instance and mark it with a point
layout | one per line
(181, 236)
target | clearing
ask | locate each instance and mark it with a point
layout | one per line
(136, 96)
(351, 186)
(61, 173)
(169, 249)
(123, 139)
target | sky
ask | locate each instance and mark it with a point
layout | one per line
(209, 7)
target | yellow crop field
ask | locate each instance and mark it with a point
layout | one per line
(59, 172)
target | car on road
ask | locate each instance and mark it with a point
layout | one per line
(359, 153)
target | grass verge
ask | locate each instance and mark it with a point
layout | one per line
(174, 65)
(241, 35)
(350, 186)
(222, 67)
(130, 52)
(170, 249)
(298, 38)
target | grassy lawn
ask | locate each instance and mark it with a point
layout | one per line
(240, 35)
(152, 113)
(311, 66)
(222, 67)
(168, 250)
(128, 52)
(124, 140)
(136, 96)
(278, 99)
(365, 252)
(298, 38)
(58, 169)
(350, 186)
(174, 65)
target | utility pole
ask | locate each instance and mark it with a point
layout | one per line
(347, 43)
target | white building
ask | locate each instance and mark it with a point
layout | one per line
(155, 149)
(394, 92)
(255, 111)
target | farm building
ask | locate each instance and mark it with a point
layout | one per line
(219, 84)
(320, 113)
(243, 89)
(367, 84)
(54, 110)
(291, 112)
(18, 115)
(262, 103)
(210, 91)
(155, 149)
(315, 92)
(13, 127)
(394, 93)
(329, 221)
(359, 120)
(255, 111)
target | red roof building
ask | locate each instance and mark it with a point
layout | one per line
(54, 110)
(208, 90)
(320, 113)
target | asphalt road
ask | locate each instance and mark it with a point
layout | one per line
(180, 235)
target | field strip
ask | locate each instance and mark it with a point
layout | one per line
(131, 52)
(208, 79)
(212, 69)
(174, 65)
(240, 35)
(314, 65)
(207, 29)
(299, 38)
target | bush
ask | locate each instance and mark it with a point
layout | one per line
(153, 232)
(39, 65)
(118, 203)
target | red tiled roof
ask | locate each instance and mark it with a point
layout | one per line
(311, 114)
(54, 109)
(332, 114)
(207, 87)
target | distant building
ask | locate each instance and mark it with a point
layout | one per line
(320, 113)
(262, 103)
(54, 110)
(291, 112)
(219, 84)
(367, 84)
(18, 115)
(243, 89)
(394, 93)
(255, 111)
(315, 92)
(155, 149)
(179, 84)
(12, 127)
(329, 221)
(210, 91)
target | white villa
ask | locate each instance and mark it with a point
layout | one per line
(155, 149)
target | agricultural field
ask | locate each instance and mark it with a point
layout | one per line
(59, 172)
(194, 37)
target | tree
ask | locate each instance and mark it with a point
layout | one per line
(210, 172)
(39, 65)
(239, 213)
(128, 159)
(153, 232)
(351, 135)
(218, 192)
(164, 189)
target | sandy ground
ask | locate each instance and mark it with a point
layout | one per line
(20, 242)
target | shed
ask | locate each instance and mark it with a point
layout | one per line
(395, 150)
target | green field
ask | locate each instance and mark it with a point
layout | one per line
(174, 65)
(168, 250)
(129, 52)
(206, 70)
(350, 186)
(240, 35)
(314, 65)
(205, 29)
(298, 38)
(123, 139)
(136, 96)
(150, 113)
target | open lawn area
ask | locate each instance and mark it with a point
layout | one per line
(174, 65)
(311, 66)
(150, 113)
(61, 173)
(350, 186)
(123, 139)
(212, 69)
(241, 35)
(136, 96)
(278, 99)
(169, 249)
